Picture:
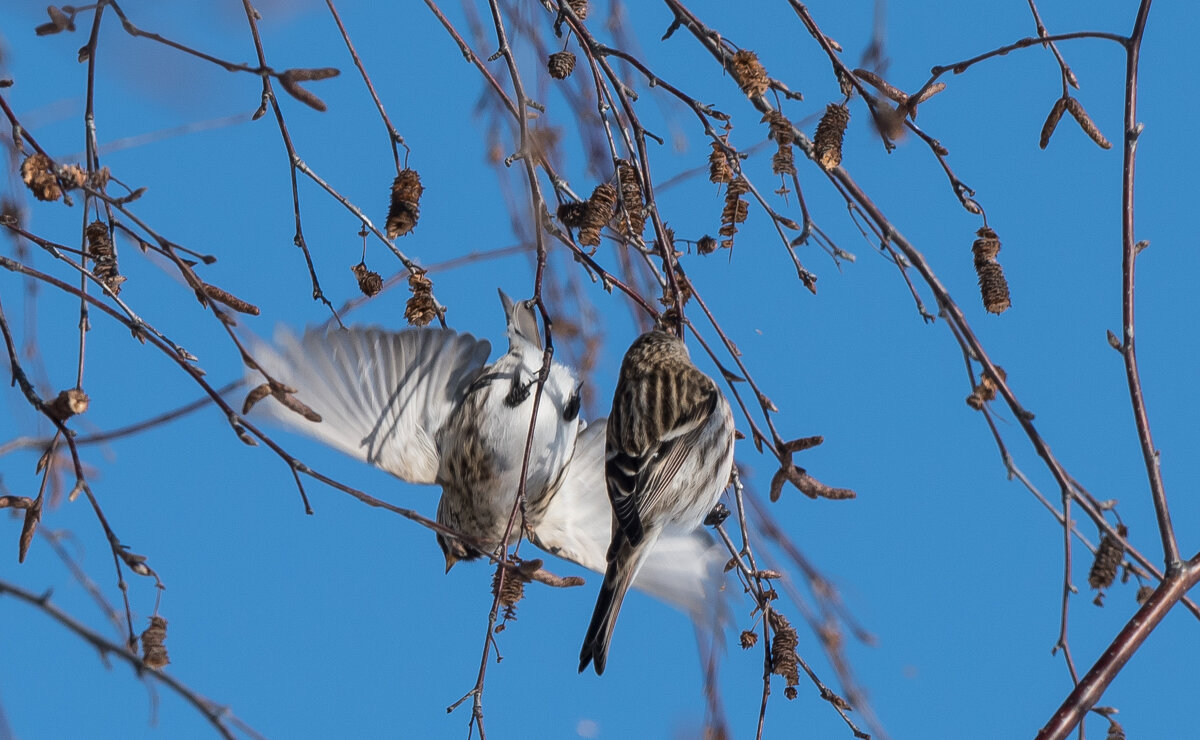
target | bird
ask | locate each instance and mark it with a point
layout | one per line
(668, 458)
(424, 405)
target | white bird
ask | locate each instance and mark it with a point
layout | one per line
(422, 405)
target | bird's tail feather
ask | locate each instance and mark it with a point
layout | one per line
(617, 578)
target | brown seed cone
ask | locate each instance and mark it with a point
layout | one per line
(780, 127)
(73, 176)
(580, 7)
(749, 73)
(706, 245)
(827, 141)
(748, 639)
(600, 209)
(987, 246)
(631, 194)
(561, 64)
(513, 589)
(405, 206)
(783, 650)
(154, 651)
(573, 214)
(719, 169)
(37, 172)
(993, 287)
(420, 309)
(1109, 555)
(784, 162)
(104, 255)
(369, 282)
(735, 211)
(68, 403)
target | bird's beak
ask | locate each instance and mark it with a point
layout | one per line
(506, 302)
(451, 559)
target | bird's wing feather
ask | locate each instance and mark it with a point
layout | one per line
(382, 395)
(684, 569)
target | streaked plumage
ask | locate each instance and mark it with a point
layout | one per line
(668, 455)
(422, 405)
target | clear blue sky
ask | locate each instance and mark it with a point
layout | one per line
(342, 624)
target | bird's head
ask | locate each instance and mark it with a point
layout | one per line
(522, 321)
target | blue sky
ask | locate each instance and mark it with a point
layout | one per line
(342, 624)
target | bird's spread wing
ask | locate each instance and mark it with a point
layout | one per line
(647, 446)
(685, 569)
(382, 395)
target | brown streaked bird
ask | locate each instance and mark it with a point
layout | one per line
(668, 457)
(423, 405)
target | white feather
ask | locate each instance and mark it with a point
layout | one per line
(381, 395)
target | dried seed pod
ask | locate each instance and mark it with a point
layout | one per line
(631, 197)
(573, 214)
(580, 7)
(33, 515)
(68, 403)
(37, 172)
(986, 246)
(290, 81)
(513, 588)
(827, 141)
(783, 162)
(1108, 559)
(72, 176)
(222, 296)
(405, 206)
(561, 64)
(1056, 111)
(98, 179)
(749, 73)
(420, 309)
(845, 83)
(882, 85)
(59, 21)
(706, 245)
(154, 651)
(780, 127)
(685, 288)
(735, 211)
(783, 651)
(257, 394)
(1075, 108)
(369, 282)
(749, 639)
(929, 92)
(285, 397)
(508, 593)
(102, 252)
(1143, 593)
(1115, 730)
(993, 286)
(600, 209)
(719, 169)
(986, 390)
